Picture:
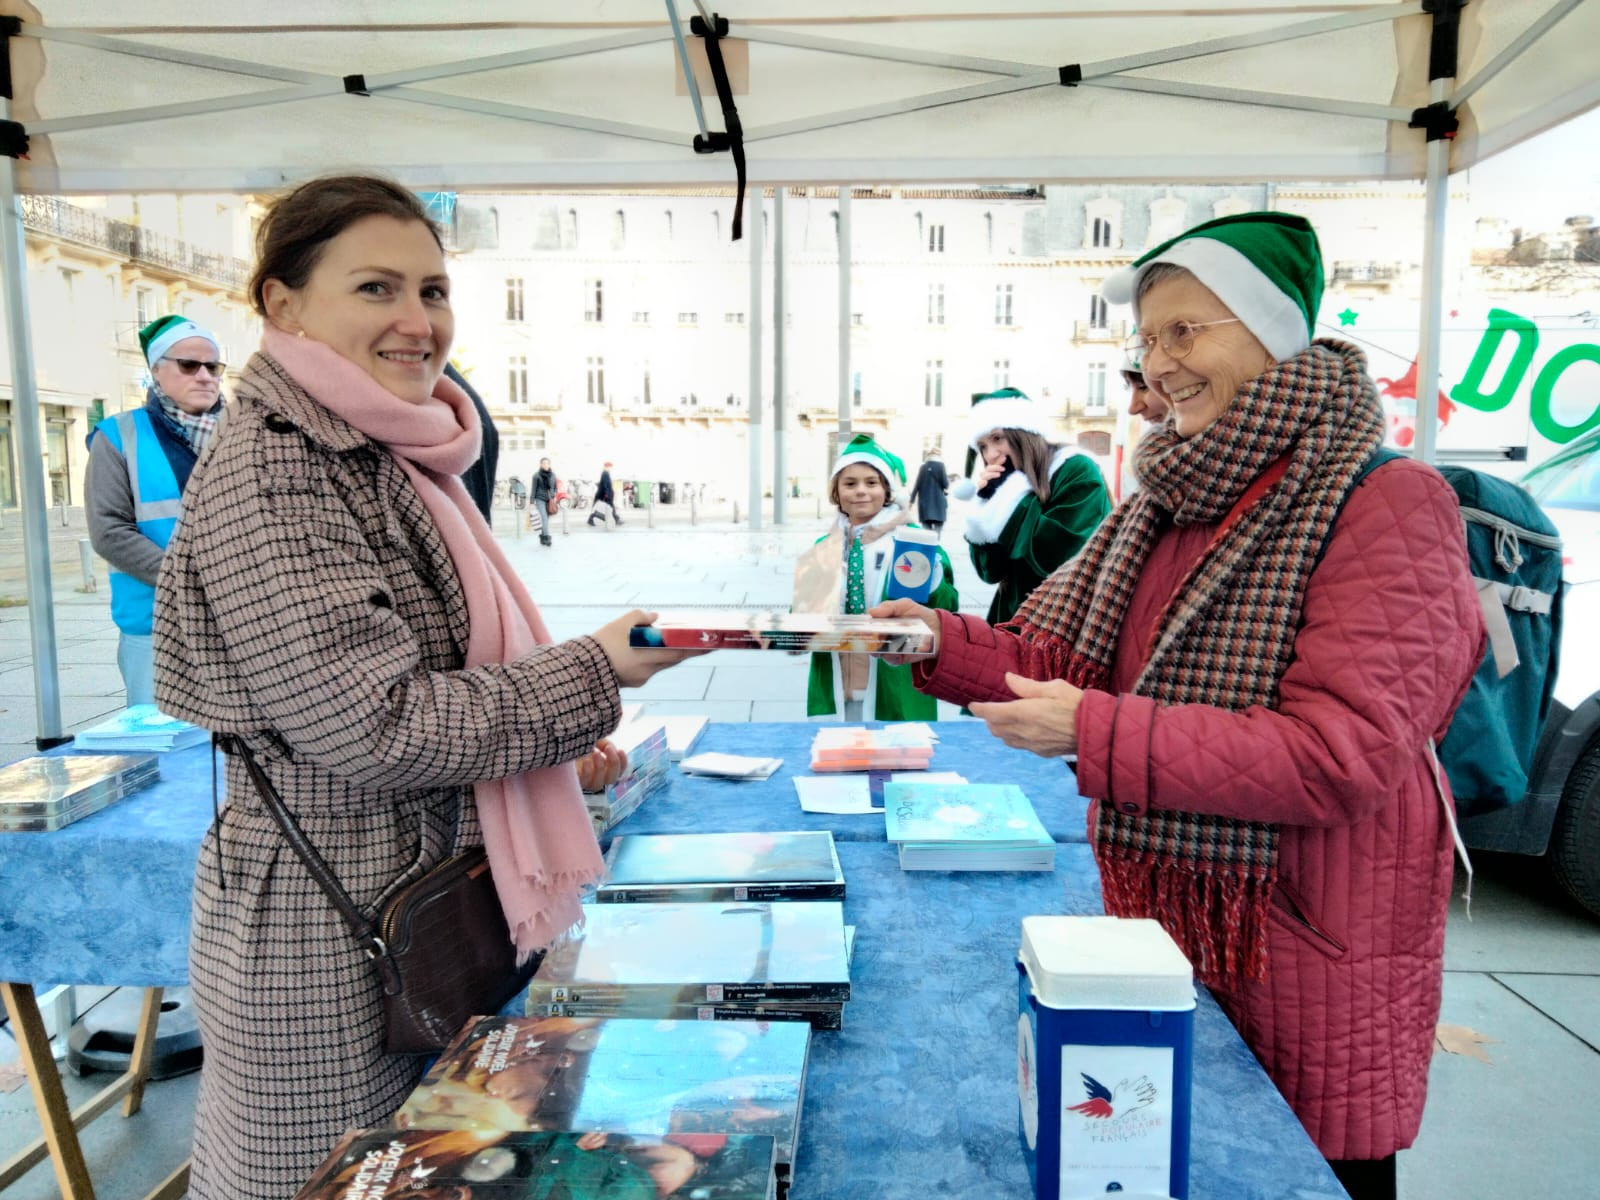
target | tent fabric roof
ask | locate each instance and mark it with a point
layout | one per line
(246, 97)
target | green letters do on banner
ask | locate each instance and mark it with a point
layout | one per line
(1543, 419)
(1470, 390)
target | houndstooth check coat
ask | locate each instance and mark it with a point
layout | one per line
(308, 604)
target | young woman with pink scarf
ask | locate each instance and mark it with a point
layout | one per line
(334, 600)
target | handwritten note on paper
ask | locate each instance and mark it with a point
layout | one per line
(840, 794)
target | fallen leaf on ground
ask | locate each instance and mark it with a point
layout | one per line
(1459, 1039)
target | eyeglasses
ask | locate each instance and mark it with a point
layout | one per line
(1133, 379)
(1176, 338)
(191, 366)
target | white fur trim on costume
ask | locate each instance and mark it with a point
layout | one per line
(1266, 310)
(987, 519)
(1007, 412)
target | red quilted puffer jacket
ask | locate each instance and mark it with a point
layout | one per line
(1391, 633)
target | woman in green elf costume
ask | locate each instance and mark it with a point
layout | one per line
(858, 687)
(1037, 503)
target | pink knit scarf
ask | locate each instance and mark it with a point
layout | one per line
(536, 831)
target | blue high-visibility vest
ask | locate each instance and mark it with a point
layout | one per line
(157, 503)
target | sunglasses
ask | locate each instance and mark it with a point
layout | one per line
(191, 366)
(1176, 338)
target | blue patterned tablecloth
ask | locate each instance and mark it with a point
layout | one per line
(915, 1097)
(723, 805)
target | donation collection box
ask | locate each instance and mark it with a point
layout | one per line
(1105, 1051)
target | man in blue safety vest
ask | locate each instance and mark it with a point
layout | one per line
(139, 464)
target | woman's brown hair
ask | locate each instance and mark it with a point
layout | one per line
(300, 224)
(1034, 456)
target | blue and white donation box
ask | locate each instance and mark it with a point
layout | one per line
(1105, 1052)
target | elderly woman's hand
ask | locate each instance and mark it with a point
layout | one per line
(601, 767)
(1043, 719)
(908, 608)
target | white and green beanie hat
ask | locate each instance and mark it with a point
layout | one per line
(1004, 408)
(863, 448)
(1265, 266)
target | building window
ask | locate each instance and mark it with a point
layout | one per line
(857, 319)
(688, 318)
(144, 306)
(641, 317)
(619, 230)
(514, 299)
(594, 310)
(935, 239)
(733, 318)
(597, 381)
(855, 388)
(569, 230)
(988, 232)
(1002, 304)
(933, 384)
(692, 400)
(1100, 233)
(517, 379)
(1094, 390)
(1002, 373)
(734, 400)
(648, 398)
(667, 222)
(716, 226)
(1097, 312)
(936, 304)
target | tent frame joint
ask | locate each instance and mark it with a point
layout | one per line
(1438, 119)
(356, 85)
(719, 26)
(13, 140)
(1071, 74)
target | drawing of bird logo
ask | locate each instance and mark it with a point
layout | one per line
(1104, 1103)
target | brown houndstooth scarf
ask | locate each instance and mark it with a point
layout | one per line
(1225, 637)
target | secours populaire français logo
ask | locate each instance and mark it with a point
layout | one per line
(912, 568)
(1107, 1104)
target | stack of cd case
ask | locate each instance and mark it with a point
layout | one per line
(47, 792)
(772, 961)
(671, 867)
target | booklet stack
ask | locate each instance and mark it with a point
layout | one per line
(140, 727)
(852, 748)
(683, 732)
(730, 766)
(47, 792)
(776, 961)
(622, 1077)
(966, 827)
(464, 1164)
(645, 867)
(648, 764)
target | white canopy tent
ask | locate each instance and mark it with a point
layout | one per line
(500, 94)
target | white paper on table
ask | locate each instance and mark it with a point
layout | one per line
(730, 766)
(842, 794)
(927, 777)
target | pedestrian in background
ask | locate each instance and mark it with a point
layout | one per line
(933, 482)
(604, 494)
(139, 464)
(545, 487)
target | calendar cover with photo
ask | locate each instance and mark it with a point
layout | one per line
(798, 865)
(821, 1015)
(839, 633)
(966, 826)
(462, 1164)
(621, 1076)
(685, 954)
(47, 792)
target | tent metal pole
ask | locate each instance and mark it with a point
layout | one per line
(30, 459)
(1201, 91)
(1437, 197)
(780, 466)
(844, 315)
(754, 204)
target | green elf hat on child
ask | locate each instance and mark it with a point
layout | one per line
(1004, 408)
(863, 448)
(1265, 266)
(162, 334)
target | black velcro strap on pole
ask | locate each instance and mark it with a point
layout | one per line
(356, 85)
(1438, 118)
(10, 27)
(1071, 75)
(733, 140)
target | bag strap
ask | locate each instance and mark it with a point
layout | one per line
(365, 931)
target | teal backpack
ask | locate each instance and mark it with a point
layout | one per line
(1515, 554)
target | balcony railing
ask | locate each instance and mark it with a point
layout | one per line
(1365, 272)
(1088, 331)
(54, 217)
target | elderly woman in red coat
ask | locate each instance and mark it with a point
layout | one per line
(1252, 660)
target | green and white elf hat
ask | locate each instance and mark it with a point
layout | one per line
(1265, 266)
(1005, 408)
(162, 334)
(863, 448)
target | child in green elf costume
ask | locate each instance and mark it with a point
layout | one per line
(1037, 502)
(856, 687)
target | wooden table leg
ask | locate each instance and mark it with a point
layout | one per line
(60, 1135)
(144, 1044)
